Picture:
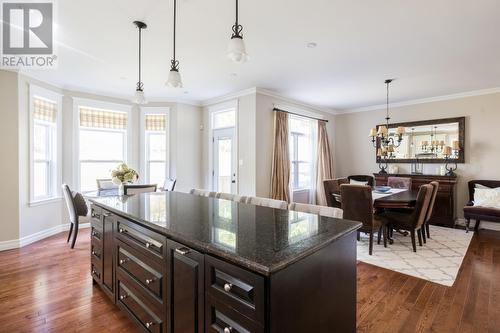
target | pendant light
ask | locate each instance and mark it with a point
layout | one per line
(174, 77)
(236, 49)
(139, 91)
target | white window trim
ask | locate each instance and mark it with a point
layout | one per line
(142, 149)
(221, 107)
(95, 104)
(57, 156)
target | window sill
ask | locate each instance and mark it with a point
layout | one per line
(42, 202)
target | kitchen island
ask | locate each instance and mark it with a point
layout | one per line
(176, 262)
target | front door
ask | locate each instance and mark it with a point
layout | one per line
(224, 161)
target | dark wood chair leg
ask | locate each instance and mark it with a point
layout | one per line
(419, 234)
(413, 242)
(379, 235)
(424, 238)
(467, 225)
(371, 243)
(70, 231)
(358, 236)
(427, 228)
(384, 228)
(75, 234)
(476, 227)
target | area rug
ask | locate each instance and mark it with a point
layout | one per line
(438, 261)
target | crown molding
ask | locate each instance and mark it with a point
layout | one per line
(229, 96)
(472, 93)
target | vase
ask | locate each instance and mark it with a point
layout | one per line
(121, 189)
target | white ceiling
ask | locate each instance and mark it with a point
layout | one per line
(433, 48)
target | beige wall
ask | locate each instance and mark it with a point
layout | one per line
(355, 154)
(9, 148)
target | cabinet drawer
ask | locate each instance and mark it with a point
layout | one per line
(222, 319)
(141, 238)
(95, 250)
(95, 234)
(141, 269)
(95, 213)
(136, 307)
(96, 271)
(236, 287)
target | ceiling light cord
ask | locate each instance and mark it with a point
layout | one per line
(140, 85)
(174, 63)
(237, 28)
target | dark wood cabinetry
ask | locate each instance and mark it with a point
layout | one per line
(445, 206)
(186, 289)
(166, 286)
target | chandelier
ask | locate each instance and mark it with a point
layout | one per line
(433, 146)
(382, 140)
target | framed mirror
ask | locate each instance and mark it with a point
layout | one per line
(427, 141)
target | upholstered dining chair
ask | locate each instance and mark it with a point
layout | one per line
(315, 209)
(361, 180)
(399, 182)
(136, 189)
(332, 191)
(266, 202)
(105, 184)
(169, 184)
(203, 193)
(231, 197)
(414, 221)
(76, 207)
(357, 205)
(430, 210)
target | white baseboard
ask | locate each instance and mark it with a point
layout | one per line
(26, 240)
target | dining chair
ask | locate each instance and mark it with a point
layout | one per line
(430, 211)
(357, 205)
(76, 207)
(129, 189)
(399, 182)
(332, 191)
(315, 209)
(169, 184)
(266, 202)
(414, 221)
(203, 193)
(361, 180)
(231, 197)
(105, 184)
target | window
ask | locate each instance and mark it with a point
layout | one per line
(45, 174)
(155, 134)
(302, 143)
(102, 144)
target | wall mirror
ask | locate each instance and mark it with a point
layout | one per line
(428, 141)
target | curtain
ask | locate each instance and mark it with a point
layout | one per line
(324, 163)
(103, 119)
(156, 122)
(280, 172)
(44, 110)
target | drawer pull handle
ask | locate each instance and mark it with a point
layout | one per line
(148, 245)
(95, 254)
(121, 230)
(183, 251)
(96, 216)
(228, 287)
(149, 324)
(122, 297)
(106, 214)
(95, 234)
(228, 329)
(123, 261)
(149, 281)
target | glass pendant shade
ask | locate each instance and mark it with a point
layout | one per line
(139, 97)
(174, 79)
(236, 50)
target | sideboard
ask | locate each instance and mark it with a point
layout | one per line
(444, 208)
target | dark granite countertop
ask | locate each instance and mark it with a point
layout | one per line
(261, 239)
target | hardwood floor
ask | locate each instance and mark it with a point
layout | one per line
(46, 287)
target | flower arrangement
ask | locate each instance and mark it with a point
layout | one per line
(123, 174)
